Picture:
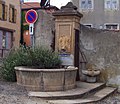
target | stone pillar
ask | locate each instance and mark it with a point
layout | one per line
(67, 20)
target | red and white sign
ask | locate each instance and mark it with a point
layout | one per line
(31, 16)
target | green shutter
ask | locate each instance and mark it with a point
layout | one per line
(6, 9)
(1, 10)
(15, 15)
(10, 14)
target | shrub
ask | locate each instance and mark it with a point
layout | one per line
(37, 58)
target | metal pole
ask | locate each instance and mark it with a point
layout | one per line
(32, 39)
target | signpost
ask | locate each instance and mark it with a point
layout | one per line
(31, 17)
(31, 28)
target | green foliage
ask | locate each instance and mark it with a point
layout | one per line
(38, 58)
(25, 27)
(23, 16)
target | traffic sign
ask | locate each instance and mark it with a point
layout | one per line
(31, 28)
(31, 16)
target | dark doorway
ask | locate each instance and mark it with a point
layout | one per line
(76, 54)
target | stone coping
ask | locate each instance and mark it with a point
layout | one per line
(80, 91)
(22, 68)
(68, 10)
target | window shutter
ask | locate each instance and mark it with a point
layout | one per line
(107, 4)
(1, 10)
(15, 15)
(6, 9)
(10, 14)
(89, 2)
(83, 4)
(115, 4)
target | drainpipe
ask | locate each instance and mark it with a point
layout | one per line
(21, 2)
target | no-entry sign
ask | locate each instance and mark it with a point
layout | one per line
(31, 16)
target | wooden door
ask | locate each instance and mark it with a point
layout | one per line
(76, 53)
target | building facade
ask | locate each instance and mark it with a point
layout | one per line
(9, 25)
(101, 14)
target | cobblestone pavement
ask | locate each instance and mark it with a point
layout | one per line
(11, 93)
(113, 99)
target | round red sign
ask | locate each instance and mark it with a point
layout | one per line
(31, 16)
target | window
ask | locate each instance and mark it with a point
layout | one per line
(113, 26)
(89, 4)
(112, 4)
(88, 25)
(6, 42)
(5, 39)
(3, 10)
(86, 4)
(12, 14)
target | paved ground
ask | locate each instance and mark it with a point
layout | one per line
(114, 99)
(11, 93)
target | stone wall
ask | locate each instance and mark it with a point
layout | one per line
(102, 48)
(44, 29)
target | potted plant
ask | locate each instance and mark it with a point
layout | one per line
(39, 69)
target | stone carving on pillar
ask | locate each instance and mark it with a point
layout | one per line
(64, 43)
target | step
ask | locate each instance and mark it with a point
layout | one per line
(83, 89)
(103, 93)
